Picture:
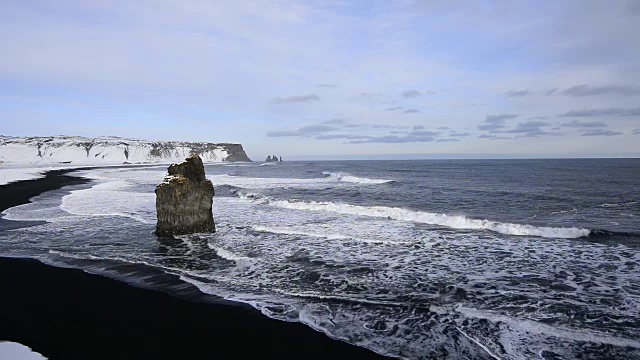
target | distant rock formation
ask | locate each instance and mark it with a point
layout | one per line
(111, 150)
(273, 158)
(184, 200)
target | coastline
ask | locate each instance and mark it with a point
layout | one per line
(67, 313)
(19, 192)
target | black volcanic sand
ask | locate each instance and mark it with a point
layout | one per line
(18, 193)
(69, 314)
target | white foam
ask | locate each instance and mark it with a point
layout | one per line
(265, 183)
(615, 205)
(452, 221)
(325, 235)
(111, 199)
(354, 179)
(535, 327)
(479, 344)
(226, 254)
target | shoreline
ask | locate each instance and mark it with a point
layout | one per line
(19, 192)
(67, 313)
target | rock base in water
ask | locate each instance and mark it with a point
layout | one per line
(184, 200)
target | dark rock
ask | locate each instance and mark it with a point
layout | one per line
(184, 200)
(235, 151)
(268, 159)
(192, 168)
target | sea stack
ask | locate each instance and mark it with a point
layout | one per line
(184, 200)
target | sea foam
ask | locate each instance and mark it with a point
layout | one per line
(535, 327)
(451, 221)
(354, 179)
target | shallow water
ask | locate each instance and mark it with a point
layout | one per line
(509, 259)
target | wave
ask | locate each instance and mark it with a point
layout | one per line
(354, 179)
(615, 205)
(535, 327)
(226, 254)
(451, 221)
(605, 234)
(324, 235)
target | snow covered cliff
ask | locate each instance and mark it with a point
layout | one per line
(110, 150)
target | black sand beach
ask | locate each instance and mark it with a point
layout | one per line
(70, 314)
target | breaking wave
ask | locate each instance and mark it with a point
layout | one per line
(354, 179)
(451, 221)
(536, 327)
(226, 254)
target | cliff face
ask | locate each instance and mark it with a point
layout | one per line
(236, 153)
(184, 200)
(111, 150)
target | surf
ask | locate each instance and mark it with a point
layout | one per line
(450, 221)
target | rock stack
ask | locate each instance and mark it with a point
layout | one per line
(184, 200)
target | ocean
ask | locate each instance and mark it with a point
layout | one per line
(447, 259)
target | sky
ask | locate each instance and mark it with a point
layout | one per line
(330, 78)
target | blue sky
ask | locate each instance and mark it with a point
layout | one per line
(314, 79)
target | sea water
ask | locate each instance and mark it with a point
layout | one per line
(508, 259)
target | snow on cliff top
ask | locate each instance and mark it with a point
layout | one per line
(80, 150)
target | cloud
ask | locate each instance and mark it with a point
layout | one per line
(636, 132)
(416, 135)
(335, 121)
(410, 94)
(584, 124)
(383, 126)
(586, 90)
(518, 93)
(395, 108)
(602, 112)
(340, 136)
(550, 92)
(457, 134)
(494, 137)
(538, 132)
(295, 99)
(308, 130)
(447, 140)
(315, 129)
(527, 129)
(499, 118)
(355, 125)
(418, 127)
(394, 139)
(411, 111)
(538, 118)
(600, 132)
(633, 8)
(326, 86)
(493, 122)
(423, 133)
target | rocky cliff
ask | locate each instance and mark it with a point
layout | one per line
(111, 150)
(184, 200)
